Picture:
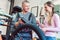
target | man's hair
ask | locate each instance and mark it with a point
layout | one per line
(25, 2)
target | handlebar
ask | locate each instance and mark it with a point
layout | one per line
(2, 23)
(6, 15)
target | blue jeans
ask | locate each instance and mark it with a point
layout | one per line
(50, 38)
(23, 34)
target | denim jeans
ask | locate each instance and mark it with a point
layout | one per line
(50, 38)
(23, 36)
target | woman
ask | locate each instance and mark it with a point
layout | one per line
(51, 22)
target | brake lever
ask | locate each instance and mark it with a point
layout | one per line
(2, 23)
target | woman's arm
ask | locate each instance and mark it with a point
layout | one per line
(51, 29)
(57, 20)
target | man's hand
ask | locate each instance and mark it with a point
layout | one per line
(16, 24)
(19, 22)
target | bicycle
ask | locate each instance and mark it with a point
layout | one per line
(39, 32)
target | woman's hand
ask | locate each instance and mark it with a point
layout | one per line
(44, 29)
(40, 24)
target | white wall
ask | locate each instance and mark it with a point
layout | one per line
(38, 3)
(4, 4)
(57, 2)
(33, 3)
(18, 2)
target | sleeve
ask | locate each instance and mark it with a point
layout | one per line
(14, 20)
(57, 20)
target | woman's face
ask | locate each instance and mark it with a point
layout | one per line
(48, 8)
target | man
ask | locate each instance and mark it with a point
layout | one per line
(28, 16)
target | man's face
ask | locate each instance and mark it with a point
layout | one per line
(25, 7)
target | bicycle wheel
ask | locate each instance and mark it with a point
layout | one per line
(30, 26)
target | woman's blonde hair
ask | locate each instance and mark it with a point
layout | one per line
(50, 4)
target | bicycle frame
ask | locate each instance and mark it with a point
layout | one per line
(31, 26)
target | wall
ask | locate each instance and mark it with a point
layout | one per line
(18, 2)
(5, 5)
(38, 3)
(33, 3)
(57, 2)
